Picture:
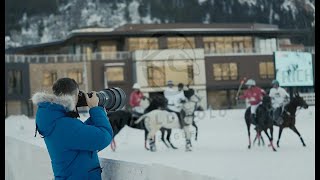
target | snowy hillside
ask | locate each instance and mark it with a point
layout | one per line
(73, 14)
(221, 150)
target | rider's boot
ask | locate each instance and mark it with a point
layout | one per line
(188, 145)
(279, 118)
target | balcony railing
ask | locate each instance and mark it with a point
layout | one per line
(246, 51)
(58, 58)
(123, 55)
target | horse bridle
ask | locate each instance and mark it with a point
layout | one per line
(288, 113)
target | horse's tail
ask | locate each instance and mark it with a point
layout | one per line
(140, 119)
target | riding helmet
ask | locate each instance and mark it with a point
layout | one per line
(136, 86)
(275, 82)
(251, 82)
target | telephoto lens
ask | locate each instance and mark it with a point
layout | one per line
(111, 99)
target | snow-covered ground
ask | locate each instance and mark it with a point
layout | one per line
(221, 150)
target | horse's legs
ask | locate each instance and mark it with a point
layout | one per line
(280, 132)
(112, 145)
(162, 137)
(248, 128)
(270, 139)
(194, 125)
(145, 139)
(256, 137)
(188, 137)
(259, 138)
(262, 140)
(115, 145)
(294, 129)
(168, 139)
(271, 132)
(152, 140)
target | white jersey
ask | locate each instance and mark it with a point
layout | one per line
(278, 96)
(174, 97)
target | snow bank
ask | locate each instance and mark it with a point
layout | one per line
(27, 158)
(220, 152)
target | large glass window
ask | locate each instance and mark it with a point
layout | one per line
(225, 71)
(76, 75)
(156, 74)
(180, 43)
(222, 99)
(218, 99)
(160, 72)
(14, 82)
(228, 44)
(49, 77)
(143, 43)
(266, 70)
(108, 50)
(114, 73)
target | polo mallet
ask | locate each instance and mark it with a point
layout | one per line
(240, 86)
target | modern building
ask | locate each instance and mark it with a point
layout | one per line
(211, 58)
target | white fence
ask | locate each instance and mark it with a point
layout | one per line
(310, 98)
(27, 161)
(255, 51)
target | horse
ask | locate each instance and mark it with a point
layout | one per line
(157, 119)
(263, 121)
(188, 93)
(118, 119)
(289, 116)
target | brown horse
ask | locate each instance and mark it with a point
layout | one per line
(263, 121)
(289, 116)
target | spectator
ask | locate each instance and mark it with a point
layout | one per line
(71, 143)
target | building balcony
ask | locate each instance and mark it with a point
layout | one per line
(256, 51)
(63, 58)
(123, 55)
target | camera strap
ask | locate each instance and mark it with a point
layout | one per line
(73, 114)
(35, 133)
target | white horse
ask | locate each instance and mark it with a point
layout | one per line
(157, 119)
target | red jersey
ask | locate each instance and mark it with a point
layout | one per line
(254, 95)
(135, 98)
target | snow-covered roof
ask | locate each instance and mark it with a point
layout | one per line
(209, 29)
(93, 29)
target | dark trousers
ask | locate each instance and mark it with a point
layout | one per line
(180, 116)
(277, 113)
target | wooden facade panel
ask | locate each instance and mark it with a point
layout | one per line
(23, 81)
(248, 66)
(98, 75)
(37, 72)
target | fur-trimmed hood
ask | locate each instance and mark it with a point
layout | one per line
(67, 101)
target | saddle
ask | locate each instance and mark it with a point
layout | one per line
(136, 114)
(180, 115)
(277, 115)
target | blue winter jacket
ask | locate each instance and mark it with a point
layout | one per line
(72, 144)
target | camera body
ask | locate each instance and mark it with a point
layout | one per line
(111, 99)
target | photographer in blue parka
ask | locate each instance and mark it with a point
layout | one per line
(72, 144)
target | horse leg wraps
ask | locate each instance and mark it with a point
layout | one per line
(188, 145)
(152, 145)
